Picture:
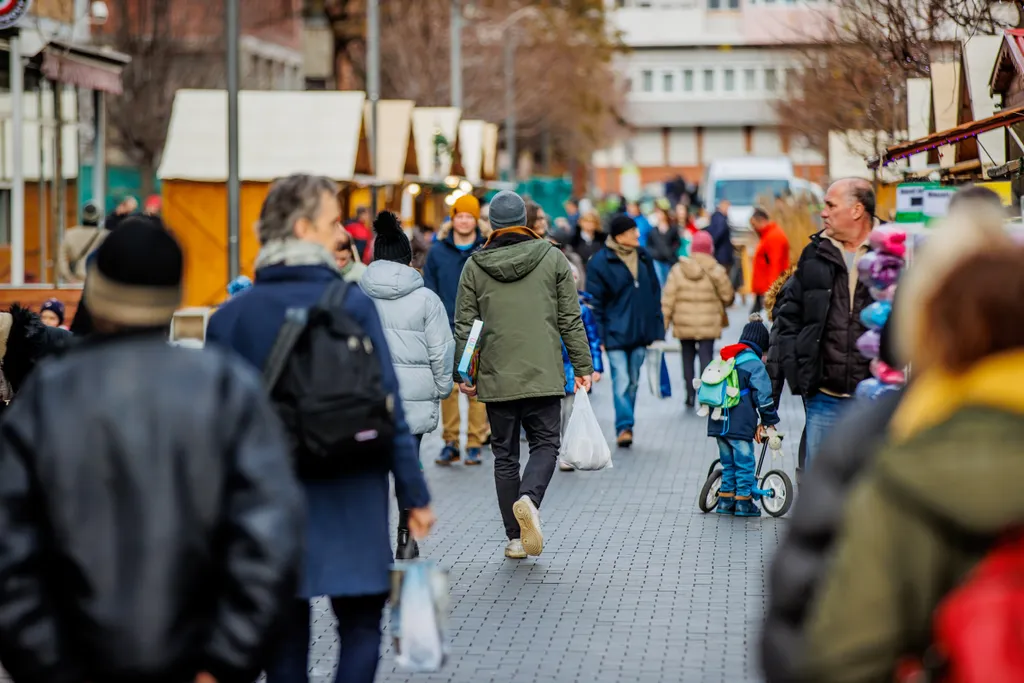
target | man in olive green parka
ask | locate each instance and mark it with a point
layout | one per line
(522, 288)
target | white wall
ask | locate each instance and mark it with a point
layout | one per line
(723, 143)
(682, 147)
(648, 148)
(767, 142)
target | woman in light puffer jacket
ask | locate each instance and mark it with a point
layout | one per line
(694, 300)
(419, 337)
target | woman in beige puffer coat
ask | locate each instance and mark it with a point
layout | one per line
(696, 294)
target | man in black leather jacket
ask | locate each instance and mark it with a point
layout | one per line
(150, 523)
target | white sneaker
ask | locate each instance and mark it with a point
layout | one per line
(565, 467)
(529, 525)
(514, 550)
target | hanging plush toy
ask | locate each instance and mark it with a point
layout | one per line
(889, 241)
(880, 270)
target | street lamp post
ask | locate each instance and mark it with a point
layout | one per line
(373, 87)
(234, 184)
(510, 105)
(456, 53)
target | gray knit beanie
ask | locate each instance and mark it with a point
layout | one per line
(506, 210)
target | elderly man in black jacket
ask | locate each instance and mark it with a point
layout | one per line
(819, 318)
(150, 523)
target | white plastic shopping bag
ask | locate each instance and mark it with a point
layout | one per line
(418, 622)
(583, 445)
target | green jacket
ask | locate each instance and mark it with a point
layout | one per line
(524, 293)
(923, 516)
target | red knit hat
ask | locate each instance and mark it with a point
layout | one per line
(702, 243)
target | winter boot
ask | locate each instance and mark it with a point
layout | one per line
(745, 507)
(726, 503)
(473, 456)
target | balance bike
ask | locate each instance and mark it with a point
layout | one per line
(774, 489)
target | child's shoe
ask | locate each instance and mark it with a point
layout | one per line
(449, 454)
(473, 456)
(745, 507)
(726, 504)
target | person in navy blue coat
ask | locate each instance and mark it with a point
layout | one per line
(721, 234)
(626, 300)
(348, 548)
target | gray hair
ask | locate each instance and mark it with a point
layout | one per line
(297, 196)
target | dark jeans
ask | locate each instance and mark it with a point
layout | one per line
(359, 635)
(542, 420)
(758, 304)
(693, 348)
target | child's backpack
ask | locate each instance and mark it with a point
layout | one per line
(717, 388)
(977, 626)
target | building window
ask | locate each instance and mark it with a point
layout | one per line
(749, 80)
(791, 78)
(5, 216)
(629, 85)
(688, 80)
(734, 4)
(647, 81)
(714, 4)
(709, 80)
(668, 82)
(730, 80)
(771, 80)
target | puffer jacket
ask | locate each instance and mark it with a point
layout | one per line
(696, 293)
(420, 340)
(819, 323)
(192, 540)
(802, 558)
(773, 300)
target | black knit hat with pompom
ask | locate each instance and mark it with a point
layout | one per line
(390, 244)
(755, 335)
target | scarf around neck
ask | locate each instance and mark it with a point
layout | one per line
(627, 255)
(294, 252)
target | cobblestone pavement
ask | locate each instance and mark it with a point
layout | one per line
(635, 584)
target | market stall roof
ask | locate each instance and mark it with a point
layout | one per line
(80, 65)
(279, 133)
(950, 136)
(396, 154)
(427, 122)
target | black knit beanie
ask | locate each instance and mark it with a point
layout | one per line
(134, 279)
(621, 223)
(755, 335)
(390, 244)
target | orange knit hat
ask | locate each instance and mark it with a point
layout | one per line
(467, 203)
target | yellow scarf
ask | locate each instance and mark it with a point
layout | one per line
(935, 396)
(627, 255)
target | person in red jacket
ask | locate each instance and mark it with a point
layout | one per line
(771, 259)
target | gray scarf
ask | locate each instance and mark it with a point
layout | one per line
(294, 252)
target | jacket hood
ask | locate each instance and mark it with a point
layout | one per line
(773, 292)
(695, 266)
(513, 262)
(390, 280)
(960, 438)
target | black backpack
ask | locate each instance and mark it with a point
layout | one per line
(325, 382)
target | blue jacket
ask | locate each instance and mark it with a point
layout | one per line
(644, 226)
(721, 235)
(348, 546)
(628, 311)
(593, 337)
(443, 270)
(756, 401)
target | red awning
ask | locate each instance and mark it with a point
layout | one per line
(951, 136)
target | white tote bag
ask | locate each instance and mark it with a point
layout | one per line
(584, 446)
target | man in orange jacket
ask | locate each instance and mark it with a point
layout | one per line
(771, 259)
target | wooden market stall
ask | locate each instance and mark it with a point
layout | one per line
(396, 155)
(435, 133)
(279, 133)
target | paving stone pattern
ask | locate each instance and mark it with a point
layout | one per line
(635, 584)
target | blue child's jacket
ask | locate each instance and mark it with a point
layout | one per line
(740, 422)
(593, 336)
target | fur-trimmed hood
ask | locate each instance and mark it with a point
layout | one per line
(773, 291)
(24, 341)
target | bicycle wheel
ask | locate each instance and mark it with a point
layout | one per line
(781, 488)
(708, 499)
(711, 470)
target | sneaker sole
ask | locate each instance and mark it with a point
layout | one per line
(512, 556)
(470, 463)
(533, 540)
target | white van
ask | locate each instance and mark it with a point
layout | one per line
(744, 181)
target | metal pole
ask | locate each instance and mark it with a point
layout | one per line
(234, 185)
(17, 167)
(373, 87)
(510, 105)
(60, 185)
(456, 56)
(99, 145)
(41, 185)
